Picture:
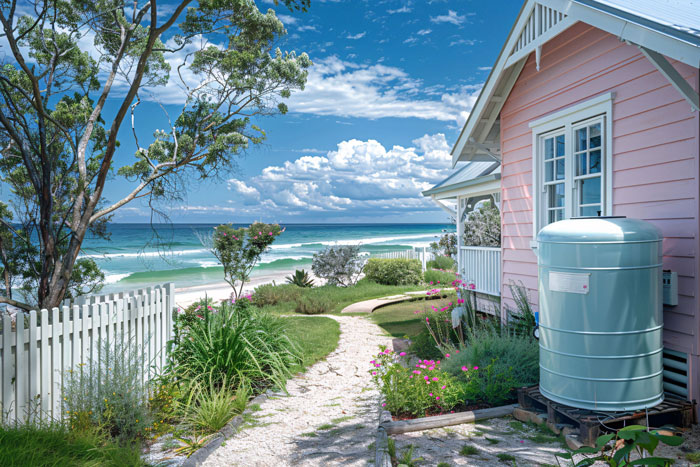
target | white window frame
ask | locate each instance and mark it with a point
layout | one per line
(567, 120)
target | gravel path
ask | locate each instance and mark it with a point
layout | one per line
(329, 417)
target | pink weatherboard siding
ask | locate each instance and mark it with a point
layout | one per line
(656, 150)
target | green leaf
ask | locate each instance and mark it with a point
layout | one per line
(586, 450)
(603, 440)
(622, 452)
(663, 461)
(669, 440)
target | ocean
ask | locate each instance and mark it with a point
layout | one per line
(138, 255)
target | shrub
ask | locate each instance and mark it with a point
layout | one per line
(339, 265)
(423, 346)
(314, 304)
(521, 321)
(415, 391)
(439, 278)
(300, 278)
(234, 344)
(446, 246)
(270, 294)
(397, 271)
(210, 408)
(442, 262)
(108, 393)
(492, 384)
(483, 227)
(509, 355)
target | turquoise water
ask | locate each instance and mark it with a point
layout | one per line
(137, 255)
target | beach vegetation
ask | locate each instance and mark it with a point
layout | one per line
(438, 278)
(483, 226)
(59, 138)
(234, 344)
(340, 265)
(396, 271)
(272, 294)
(55, 444)
(314, 304)
(300, 278)
(445, 246)
(239, 249)
(442, 262)
(211, 405)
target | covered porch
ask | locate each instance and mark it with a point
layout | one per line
(467, 189)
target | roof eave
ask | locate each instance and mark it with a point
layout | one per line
(466, 184)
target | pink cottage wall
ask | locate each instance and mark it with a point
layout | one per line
(656, 149)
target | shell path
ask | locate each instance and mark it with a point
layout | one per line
(329, 415)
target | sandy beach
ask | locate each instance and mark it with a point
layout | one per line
(185, 296)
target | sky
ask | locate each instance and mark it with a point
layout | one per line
(392, 84)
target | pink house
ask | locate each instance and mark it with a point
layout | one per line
(592, 109)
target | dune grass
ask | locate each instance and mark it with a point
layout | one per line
(55, 446)
(400, 319)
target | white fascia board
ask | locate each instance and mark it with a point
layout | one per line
(481, 189)
(672, 75)
(557, 29)
(670, 46)
(486, 94)
(445, 208)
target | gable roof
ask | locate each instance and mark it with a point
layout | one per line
(471, 173)
(668, 27)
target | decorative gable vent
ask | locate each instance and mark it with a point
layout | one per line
(676, 373)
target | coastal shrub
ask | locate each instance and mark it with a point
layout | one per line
(314, 304)
(56, 445)
(423, 346)
(270, 294)
(442, 262)
(505, 353)
(492, 384)
(107, 393)
(239, 250)
(234, 344)
(339, 265)
(483, 227)
(438, 278)
(415, 390)
(398, 271)
(209, 408)
(300, 278)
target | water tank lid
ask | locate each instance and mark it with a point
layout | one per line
(599, 229)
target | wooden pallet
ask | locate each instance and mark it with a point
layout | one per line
(591, 424)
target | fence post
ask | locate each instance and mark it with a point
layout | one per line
(424, 260)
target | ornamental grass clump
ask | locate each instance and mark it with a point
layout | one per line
(414, 390)
(271, 294)
(233, 345)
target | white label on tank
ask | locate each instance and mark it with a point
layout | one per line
(569, 282)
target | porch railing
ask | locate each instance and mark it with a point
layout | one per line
(482, 266)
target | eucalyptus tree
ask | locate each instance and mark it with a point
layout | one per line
(74, 73)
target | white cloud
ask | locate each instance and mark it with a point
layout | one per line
(356, 36)
(357, 178)
(462, 42)
(307, 27)
(451, 17)
(423, 32)
(484, 68)
(347, 89)
(287, 19)
(403, 9)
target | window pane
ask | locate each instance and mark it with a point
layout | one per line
(594, 161)
(594, 136)
(555, 198)
(560, 169)
(590, 191)
(560, 145)
(590, 211)
(549, 148)
(581, 164)
(581, 139)
(549, 171)
(555, 215)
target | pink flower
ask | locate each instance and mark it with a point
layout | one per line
(435, 378)
(447, 355)
(383, 404)
(374, 373)
(456, 351)
(417, 372)
(476, 367)
(437, 398)
(464, 368)
(402, 354)
(430, 394)
(426, 378)
(410, 377)
(443, 387)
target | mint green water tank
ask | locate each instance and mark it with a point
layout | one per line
(601, 313)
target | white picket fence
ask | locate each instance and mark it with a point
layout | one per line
(35, 357)
(422, 254)
(482, 266)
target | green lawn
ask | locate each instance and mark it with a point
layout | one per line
(316, 335)
(400, 320)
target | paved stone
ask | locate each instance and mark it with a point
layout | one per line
(329, 417)
(368, 306)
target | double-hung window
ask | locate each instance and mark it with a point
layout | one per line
(572, 164)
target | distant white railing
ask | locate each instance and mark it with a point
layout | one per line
(482, 266)
(35, 356)
(422, 254)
